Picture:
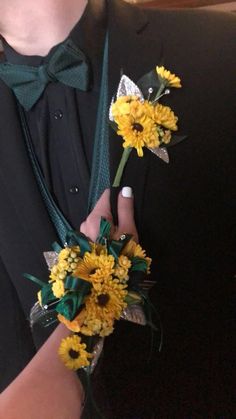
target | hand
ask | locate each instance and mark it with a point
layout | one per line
(125, 210)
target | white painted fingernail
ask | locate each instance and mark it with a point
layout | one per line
(127, 192)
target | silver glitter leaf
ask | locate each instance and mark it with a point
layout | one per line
(97, 350)
(51, 258)
(110, 110)
(161, 152)
(128, 88)
(135, 314)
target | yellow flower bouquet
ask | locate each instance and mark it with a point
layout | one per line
(138, 117)
(90, 287)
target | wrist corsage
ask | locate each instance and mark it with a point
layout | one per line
(91, 286)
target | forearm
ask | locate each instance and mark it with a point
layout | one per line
(45, 388)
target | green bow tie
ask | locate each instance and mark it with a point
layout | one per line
(67, 65)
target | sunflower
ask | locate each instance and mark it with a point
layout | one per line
(132, 249)
(138, 131)
(94, 268)
(73, 353)
(164, 116)
(103, 306)
(167, 78)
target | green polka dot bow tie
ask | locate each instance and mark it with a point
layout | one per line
(67, 65)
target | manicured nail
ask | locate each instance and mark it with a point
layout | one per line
(127, 192)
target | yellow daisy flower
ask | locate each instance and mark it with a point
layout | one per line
(58, 288)
(105, 305)
(164, 116)
(95, 268)
(122, 106)
(168, 78)
(166, 137)
(73, 353)
(138, 131)
(132, 249)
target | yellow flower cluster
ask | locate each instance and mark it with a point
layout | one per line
(132, 249)
(167, 78)
(143, 124)
(68, 259)
(73, 353)
(106, 300)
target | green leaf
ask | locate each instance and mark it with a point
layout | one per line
(149, 80)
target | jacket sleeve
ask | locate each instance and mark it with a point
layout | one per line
(16, 342)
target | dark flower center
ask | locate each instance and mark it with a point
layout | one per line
(103, 299)
(137, 127)
(73, 354)
(93, 271)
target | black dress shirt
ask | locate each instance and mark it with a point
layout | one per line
(62, 123)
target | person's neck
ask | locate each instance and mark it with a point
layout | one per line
(33, 28)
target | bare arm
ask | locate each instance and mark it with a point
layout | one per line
(45, 388)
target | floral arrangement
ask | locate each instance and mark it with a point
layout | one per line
(91, 285)
(138, 117)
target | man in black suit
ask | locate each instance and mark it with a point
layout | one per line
(184, 211)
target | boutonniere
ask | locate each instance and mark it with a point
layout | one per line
(137, 115)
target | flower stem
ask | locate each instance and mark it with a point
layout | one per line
(121, 166)
(159, 93)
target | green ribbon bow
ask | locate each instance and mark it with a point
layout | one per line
(67, 65)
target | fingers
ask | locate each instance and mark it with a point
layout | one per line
(125, 209)
(90, 227)
(126, 223)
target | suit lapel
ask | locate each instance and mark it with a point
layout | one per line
(129, 40)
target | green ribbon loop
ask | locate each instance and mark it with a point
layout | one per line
(70, 304)
(115, 247)
(73, 238)
(34, 279)
(104, 231)
(139, 264)
(57, 247)
(47, 294)
(77, 284)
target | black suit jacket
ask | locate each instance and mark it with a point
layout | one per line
(185, 214)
